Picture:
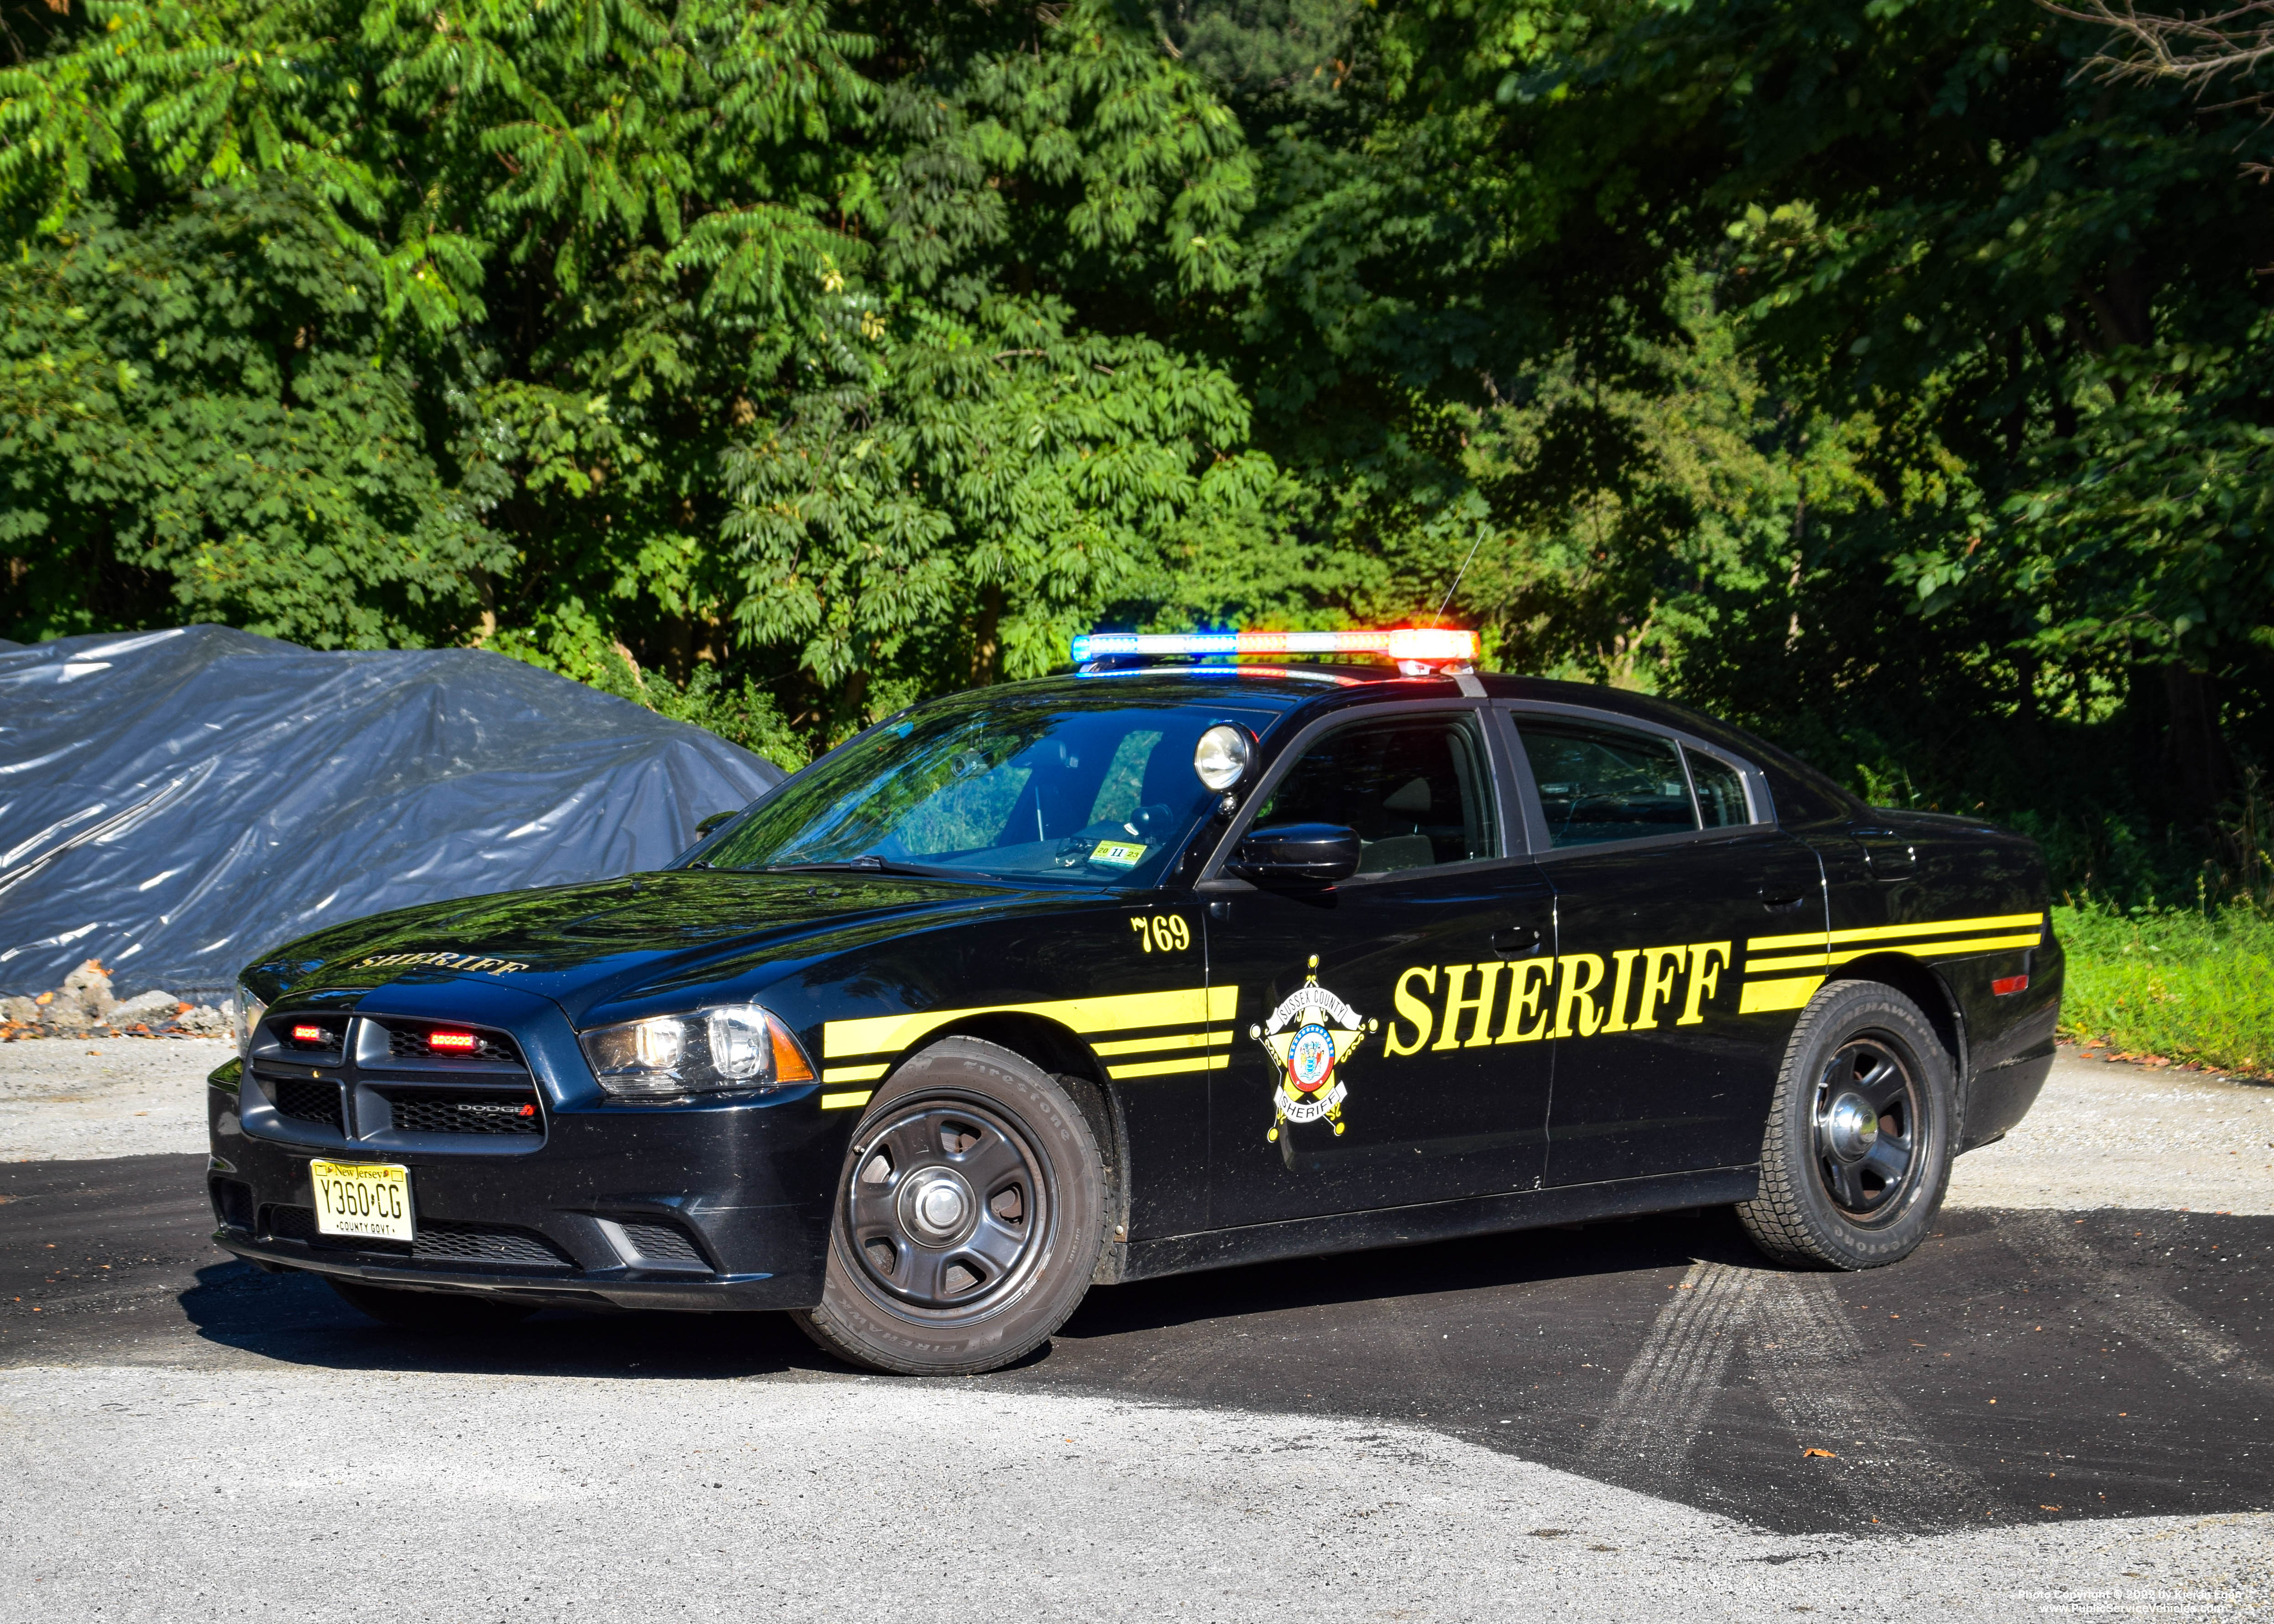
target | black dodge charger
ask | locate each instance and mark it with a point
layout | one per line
(1173, 963)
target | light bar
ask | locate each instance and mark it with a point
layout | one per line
(1429, 644)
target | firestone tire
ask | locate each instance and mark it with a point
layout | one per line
(440, 1311)
(969, 1218)
(1857, 1153)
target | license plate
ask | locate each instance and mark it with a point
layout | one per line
(363, 1198)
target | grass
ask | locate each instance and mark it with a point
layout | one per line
(2181, 984)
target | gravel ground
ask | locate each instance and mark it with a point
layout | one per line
(417, 1497)
(65, 1100)
(2107, 1133)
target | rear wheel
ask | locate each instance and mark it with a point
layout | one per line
(429, 1311)
(969, 1218)
(1859, 1143)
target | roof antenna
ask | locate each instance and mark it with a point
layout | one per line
(1440, 616)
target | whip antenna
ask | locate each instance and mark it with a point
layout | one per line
(1457, 574)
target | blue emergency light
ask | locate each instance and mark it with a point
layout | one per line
(1424, 645)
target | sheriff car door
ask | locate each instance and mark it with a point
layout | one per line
(1364, 1071)
(1665, 866)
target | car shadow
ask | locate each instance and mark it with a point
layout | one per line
(295, 1318)
(1572, 1253)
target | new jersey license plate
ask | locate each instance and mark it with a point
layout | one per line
(363, 1198)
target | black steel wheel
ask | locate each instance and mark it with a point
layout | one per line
(1868, 1123)
(970, 1216)
(1858, 1147)
(448, 1312)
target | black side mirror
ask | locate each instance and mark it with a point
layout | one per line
(1297, 853)
(713, 820)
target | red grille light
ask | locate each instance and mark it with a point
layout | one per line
(307, 1035)
(453, 1042)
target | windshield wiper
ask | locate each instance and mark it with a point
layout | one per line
(868, 862)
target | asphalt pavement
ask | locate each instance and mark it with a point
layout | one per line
(2022, 1367)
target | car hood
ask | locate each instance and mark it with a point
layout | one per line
(583, 945)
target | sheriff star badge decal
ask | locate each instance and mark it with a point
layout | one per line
(1309, 1035)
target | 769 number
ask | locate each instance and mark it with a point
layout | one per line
(1161, 933)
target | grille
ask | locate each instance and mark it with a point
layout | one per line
(465, 1113)
(660, 1242)
(306, 1099)
(289, 1223)
(483, 1242)
(406, 1042)
(487, 1242)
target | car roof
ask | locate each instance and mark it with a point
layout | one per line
(1803, 794)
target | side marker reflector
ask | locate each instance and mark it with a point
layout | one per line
(2007, 984)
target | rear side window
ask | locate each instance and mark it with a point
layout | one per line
(1416, 788)
(1721, 791)
(1599, 783)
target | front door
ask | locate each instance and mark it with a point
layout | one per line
(1663, 878)
(1370, 1066)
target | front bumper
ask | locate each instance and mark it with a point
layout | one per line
(712, 1207)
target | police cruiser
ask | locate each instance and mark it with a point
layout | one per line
(1179, 961)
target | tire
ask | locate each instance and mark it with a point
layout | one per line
(441, 1311)
(969, 1218)
(1857, 1152)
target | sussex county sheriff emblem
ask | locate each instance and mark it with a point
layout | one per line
(1310, 1034)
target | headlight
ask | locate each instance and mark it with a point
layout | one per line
(734, 1048)
(249, 1011)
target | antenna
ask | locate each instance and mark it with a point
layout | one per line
(1457, 574)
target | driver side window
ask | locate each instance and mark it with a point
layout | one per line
(1418, 789)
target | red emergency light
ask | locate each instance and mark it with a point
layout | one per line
(308, 1035)
(1432, 645)
(453, 1042)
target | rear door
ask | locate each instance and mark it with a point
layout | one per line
(1371, 1064)
(1670, 879)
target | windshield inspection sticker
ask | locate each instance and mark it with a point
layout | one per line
(1118, 854)
(1310, 1034)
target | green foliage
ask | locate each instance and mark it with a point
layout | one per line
(1860, 368)
(2182, 984)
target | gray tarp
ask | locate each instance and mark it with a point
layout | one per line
(173, 803)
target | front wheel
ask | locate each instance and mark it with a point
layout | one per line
(1859, 1142)
(969, 1218)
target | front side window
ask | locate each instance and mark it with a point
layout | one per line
(1417, 789)
(1598, 783)
(1046, 789)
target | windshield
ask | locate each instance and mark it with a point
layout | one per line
(1048, 788)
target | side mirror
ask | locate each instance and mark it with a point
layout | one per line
(1297, 853)
(713, 820)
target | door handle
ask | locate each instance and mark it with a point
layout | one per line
(1515, 940)
(1781, 898)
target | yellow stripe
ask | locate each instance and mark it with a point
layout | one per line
(1162, 1068)
(1760, 997)
(1889, 933)
(1806, 938)
(839, 1101)
(1917, 950)
(1187, 1040)
(889, 1034)
(854, 1074)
